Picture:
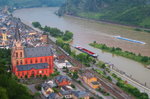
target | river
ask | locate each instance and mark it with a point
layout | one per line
(86, 31)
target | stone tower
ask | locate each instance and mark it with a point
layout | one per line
(17, 53)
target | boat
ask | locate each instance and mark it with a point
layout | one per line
(130, 40)
(87, 51)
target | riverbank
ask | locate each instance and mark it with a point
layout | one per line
(118, 51)
(132, 27)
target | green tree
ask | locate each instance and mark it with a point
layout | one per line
(67, 36)
(36, 24)
(3, 93)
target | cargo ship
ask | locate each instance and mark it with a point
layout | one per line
(87, 51)
(130, 40)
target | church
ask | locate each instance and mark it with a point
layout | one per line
(31, 61)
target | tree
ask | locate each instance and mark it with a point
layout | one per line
(36, 24)
(3, 93)
(67, 48)
(144, 59)
(44, 77)
(75, 75)
(67, 36)
(59, 42)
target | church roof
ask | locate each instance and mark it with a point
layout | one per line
(32, 66)
(38, 51)
(17, 33)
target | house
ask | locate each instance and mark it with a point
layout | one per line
(51, 83)
(62, 63)
(74, 69)
(46, 89)
(66, 94)
(91, 80)
(53, 96)
(80, 95)
(66, 88)
(62, 80)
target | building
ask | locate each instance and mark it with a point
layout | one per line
(46, 89)
(61, 64)
(45, 38)
(62, 80)
(80, 95)
(91, 80)
(53, 96)
(30, 62)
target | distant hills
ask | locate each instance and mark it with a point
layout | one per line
(129, 12)
(30, 3)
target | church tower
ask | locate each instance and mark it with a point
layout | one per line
(17, 53)
(4, 35)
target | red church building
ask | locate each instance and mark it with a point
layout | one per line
(31, 62)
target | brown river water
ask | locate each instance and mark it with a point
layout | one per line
(86, 31)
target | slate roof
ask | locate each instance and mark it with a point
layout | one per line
(80, 94)
(61, 78)
(38, 51)
(53, 96)
(88, 75)
(95, 83)
(66, 92)
(32, 66)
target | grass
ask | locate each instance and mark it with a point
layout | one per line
(91, 15)
(118, 51)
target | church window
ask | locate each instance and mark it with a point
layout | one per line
(16, 54)
(31, 61)
(17, 62)
(41, 60)
(45, 59)
(20, 62)
(36, 61)
(26, 62)
(20, 54)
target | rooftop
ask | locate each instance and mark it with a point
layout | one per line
(61, 78)
(95, 83)
(80, 94)
(88, 75)
(32, 66)
(38, 51)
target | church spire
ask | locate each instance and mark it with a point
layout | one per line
(17, 33)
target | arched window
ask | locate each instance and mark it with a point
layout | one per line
(41, 60)
(20, 62)
(20, 54)
(31, 61)
(26, 62)
(36, 61)
(16, 54)
(45, 59)
(17, 62)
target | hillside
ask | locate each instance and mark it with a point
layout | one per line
(130, 12)
(31, 3)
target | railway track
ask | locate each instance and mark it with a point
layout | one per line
(110, 87)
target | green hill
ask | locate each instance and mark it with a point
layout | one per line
(31, 3)
(130, 12)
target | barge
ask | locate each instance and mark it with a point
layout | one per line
(86, 51)
(130, 40)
